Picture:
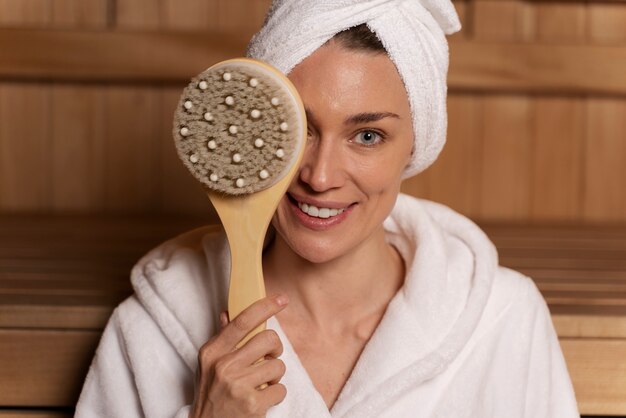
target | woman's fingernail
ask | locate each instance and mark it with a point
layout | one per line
(282, 299)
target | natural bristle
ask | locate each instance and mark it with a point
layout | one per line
(237, 128)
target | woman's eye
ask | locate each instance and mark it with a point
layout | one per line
(368, 138)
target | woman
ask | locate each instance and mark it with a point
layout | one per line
(382, 305)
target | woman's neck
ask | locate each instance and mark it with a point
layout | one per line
(338, 294)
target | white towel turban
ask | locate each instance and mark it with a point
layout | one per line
(413, 33)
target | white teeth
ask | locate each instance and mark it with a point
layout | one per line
(319, 212)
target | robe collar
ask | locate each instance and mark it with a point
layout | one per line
(450, 269)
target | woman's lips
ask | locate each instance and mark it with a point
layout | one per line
(318, 218)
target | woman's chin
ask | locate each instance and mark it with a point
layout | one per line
(316, 253)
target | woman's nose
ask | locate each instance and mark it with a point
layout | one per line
(322, 167)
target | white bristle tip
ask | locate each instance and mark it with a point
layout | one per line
(264, 174)
(240, 183)
(280, 153)
(232, 129)
(229, 100)
(227, 76)
(211, 144)
(256, 113)
(254, 82)
(237, 158)
(184, 131)
(258, 143)
(274, 101)
(213, 177)
(208, 116)
(203, 85)
(284, 126)
(188, 105)
(193, 158)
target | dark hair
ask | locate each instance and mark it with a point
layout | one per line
(361, 38)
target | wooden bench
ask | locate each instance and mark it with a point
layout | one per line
(61, 276)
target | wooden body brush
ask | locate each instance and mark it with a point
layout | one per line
(240, 129)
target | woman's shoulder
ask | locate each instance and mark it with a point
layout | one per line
(509, 287)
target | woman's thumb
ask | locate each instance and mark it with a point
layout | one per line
(224, 318)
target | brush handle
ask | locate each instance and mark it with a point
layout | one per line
(245, 220)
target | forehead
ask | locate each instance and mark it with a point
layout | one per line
(348, 81)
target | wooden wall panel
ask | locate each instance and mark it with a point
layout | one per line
(25, 13)
(558, 152)
(31, 378)
(25, 161)
(607, 22)
(92, 14)
(132, 170)
(605, 169)
(597, 396)
(78, 147)
(506, 158)
(137, 14)
(243, 15)
(455, 178)
(21, 413)
(506, 20)
(552, 173)
(561, 22)
(188, 14)
(605, 175)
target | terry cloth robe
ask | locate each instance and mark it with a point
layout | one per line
(462, 337)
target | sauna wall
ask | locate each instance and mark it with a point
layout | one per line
(537, 109)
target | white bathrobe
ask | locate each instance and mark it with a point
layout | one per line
(462, 337)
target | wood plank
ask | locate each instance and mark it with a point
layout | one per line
(607, 22)
(21, 413)
(189, 14)
(78, 147)
(557, 155)
(80, 317)
(92, 14)
(561, 21)
(545, 68)
(575, 321)
(229, 12)
(25, 13)
(454, 179)
(132, 171)
(504, 20)
(598, 371)
(146, 56)
(44, 368)
(25, 161)
(605, 153)
(137, 14)
(113, 55)
(505, 188)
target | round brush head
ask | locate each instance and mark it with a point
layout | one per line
(239, 126)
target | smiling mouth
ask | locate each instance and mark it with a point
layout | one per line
(316, 212)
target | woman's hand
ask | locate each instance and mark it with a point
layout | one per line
(228, 379)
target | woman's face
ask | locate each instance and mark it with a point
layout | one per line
(359, 142)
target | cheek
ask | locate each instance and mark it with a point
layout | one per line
(380, 183)
(384, 171)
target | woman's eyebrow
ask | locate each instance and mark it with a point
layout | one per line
(368, 117)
